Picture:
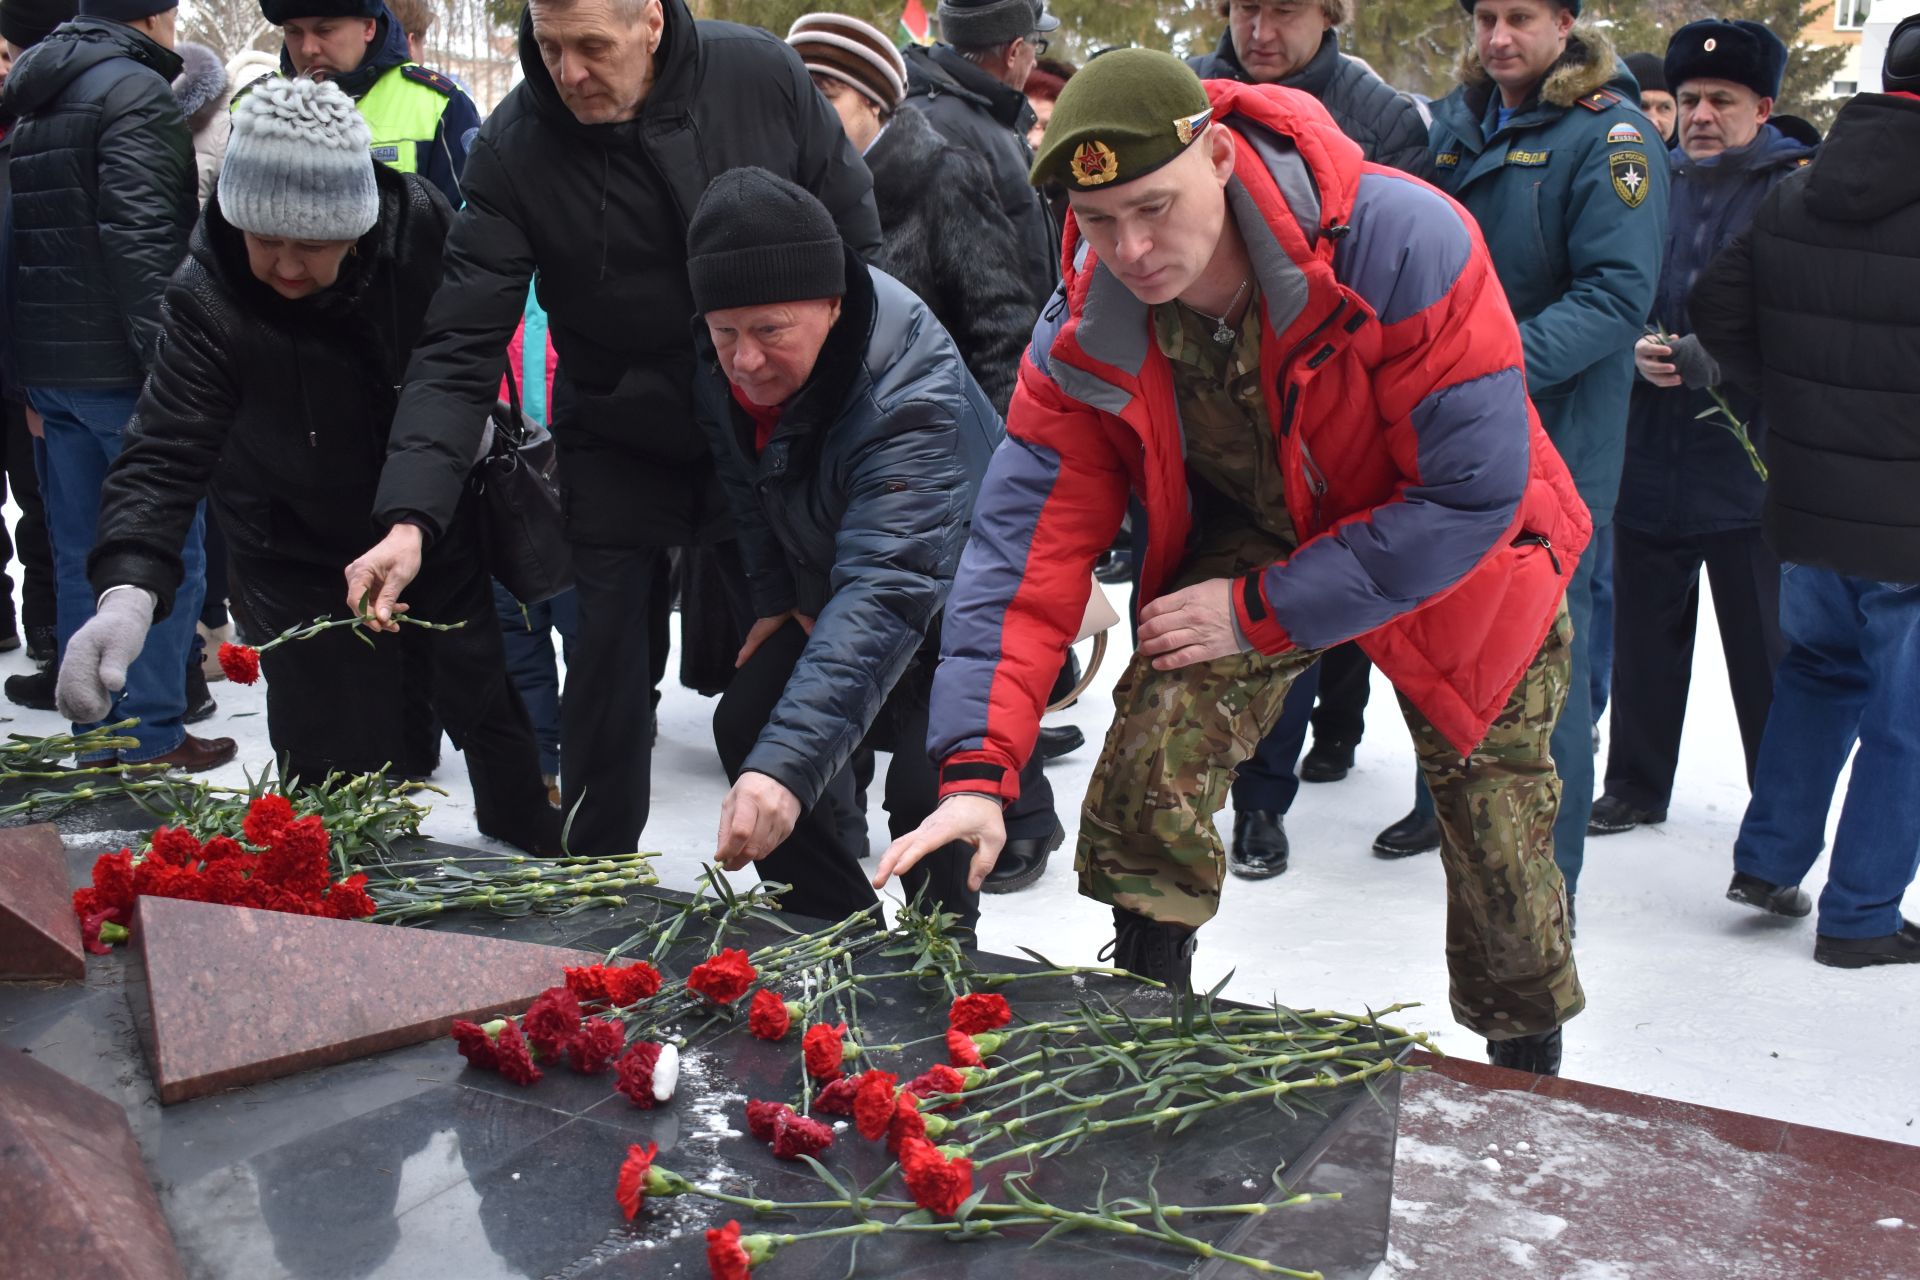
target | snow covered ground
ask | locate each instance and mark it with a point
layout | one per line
(1689, 996)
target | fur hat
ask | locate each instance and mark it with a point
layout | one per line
(298, 164)
(1743, 52)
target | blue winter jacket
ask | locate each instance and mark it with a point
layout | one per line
(1571, 195)
(1685, 475)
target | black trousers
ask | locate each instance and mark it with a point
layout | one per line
(817, 860)
(29, 541)
(606, 709)
(1656, 614)
(1346, 679)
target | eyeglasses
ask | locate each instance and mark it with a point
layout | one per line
(1039, 43)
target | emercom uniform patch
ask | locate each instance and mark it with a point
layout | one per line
(1629, 172)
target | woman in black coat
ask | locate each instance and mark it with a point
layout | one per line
(287, 332)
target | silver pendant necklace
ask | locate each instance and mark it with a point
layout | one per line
(1224, 334)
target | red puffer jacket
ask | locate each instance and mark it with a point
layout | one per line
(1438, 524)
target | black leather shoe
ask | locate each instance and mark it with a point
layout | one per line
(1327, 761)
(42, 645)
(1057, 740)
(1162, 952)
(200, 703)
(1539, 1054)
(1780, 899)
(1412, 834)
(1259, 845)
(1022, 862)
(33, 690)
(1859, 953)
(1113, 569)
(1611, 815)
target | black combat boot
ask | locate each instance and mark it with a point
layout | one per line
(1162, 952)
(1539, 1054)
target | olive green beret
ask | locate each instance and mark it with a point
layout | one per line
(1122, 116)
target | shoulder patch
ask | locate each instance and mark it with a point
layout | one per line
(1600, 100)
(1628, 169)
(1623, 132)
(429, 77)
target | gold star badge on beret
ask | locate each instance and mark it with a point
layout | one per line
(1094, 164)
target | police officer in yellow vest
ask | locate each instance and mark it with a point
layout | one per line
(421, 121)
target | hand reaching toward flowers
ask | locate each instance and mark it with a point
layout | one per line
(971, 819)
(95, 666)
(756, 816)
(376, 579)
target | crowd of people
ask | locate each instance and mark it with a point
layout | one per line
(869, 356)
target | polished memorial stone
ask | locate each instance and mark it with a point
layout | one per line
(39, 936)
(74, 1197)
(228, 996)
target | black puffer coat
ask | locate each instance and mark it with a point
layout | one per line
(1815, 308)
(973, 110)
(1372, 112)
(282, 406)
(855, 514)
(601, 212)
(945, 238)
(103, 201)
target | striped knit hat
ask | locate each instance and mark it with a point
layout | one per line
(854, 53)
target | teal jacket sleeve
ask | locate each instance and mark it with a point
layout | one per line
(1616, 238)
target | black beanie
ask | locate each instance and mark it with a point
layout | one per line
(1649, 72)
(756, 238)
(1901, 71)
(27, 22)
(125, 10)
(281, 12)
(1743, 52)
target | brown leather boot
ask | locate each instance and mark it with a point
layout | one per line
(197, 755)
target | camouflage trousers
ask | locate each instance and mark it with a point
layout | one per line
(1148, 841)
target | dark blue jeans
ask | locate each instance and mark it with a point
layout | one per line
(1572, 743)
(1851, 674)
(528, 635)
(84, 426)
(1269, 780)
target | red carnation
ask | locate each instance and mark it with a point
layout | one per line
(476, 1046)
(631, 1190)
(512, 1058)
(726, 1260)
(635, 1073)
(631, 983)
(551, 1021)
(349, 900)
(763, 1117)
(176, 847)
(241, 662)
(113, 884)
(873, 1103)
(961, 1051)
(906, 1121)
(221, 848)
(795, 1135)
(296, 858)
(768, 1017)
(588, 982)
(265, 818)
(153, 878)
(224, 881)
(939, 1080)
(824, 1049)
(90, 932)
(838, 1097)
(972, 1014)
(595, 1046)
(935, 1182)
(724, 978)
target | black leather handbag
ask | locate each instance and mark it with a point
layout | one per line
(522, 526)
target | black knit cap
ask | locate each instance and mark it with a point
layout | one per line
(1901, 71)
(125, 10)
(281, 12)
(756, 238)
(1743, 52)
(27, 22)
(1571, 6)
(1649, 71)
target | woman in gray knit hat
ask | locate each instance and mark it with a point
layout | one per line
(288, 332)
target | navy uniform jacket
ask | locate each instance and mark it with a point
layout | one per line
(1571, 196)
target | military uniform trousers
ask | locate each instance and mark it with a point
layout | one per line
(1148, 841)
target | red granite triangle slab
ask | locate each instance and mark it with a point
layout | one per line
(74, 1196)
(236, 996)
(39, 936)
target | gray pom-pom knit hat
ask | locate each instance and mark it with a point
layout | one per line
(298, 164)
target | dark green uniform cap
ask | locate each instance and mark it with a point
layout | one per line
(1122, 116)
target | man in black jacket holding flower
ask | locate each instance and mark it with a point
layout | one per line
(587, 174)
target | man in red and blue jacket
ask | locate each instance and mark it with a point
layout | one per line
(1303, 367)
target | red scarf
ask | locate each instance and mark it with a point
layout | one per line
(765, 418)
